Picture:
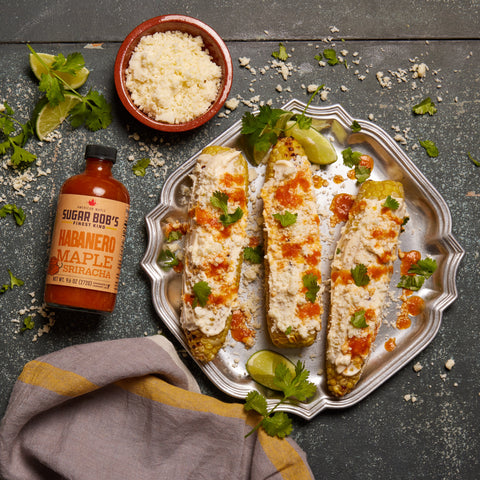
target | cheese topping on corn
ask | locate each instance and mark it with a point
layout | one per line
(213, 251)
(369, 238)
(293, 251)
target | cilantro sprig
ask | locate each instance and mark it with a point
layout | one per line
(93, 110)
(430, 148)
(263, 129)
(201, 292)
(14, 282)
(330, 56)
(15, 136)
(174, 235)
(358, 319)
(391, 203)
(12, 209)
(167, 259)
(352, 159)
(253, 254)
(28, 324)
(417, 274)
(286, 219)
(281, 54)
(310, 282)
(294, 387)
(220, 200)
(355, 126)
(359, 275)
(425, 106)
(139, 168)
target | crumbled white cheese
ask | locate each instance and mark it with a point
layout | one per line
(449, 364)
(172, 77)
(417, 367)
(232, 103)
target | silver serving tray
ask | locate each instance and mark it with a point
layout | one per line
(429, 231)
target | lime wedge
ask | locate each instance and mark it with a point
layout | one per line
(46, 118)
(74, 81)
(317, 148)
(262, 364)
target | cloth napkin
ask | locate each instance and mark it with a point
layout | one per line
(130, 409)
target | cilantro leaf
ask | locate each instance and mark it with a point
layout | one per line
(174, 235)
(220, 200)
(12, 209)
(430, 148)
(53, 89)
(358, 319)
(310, 283)
(93, 111)
(355, 126)
(475, 162)
(167, 259)
(281, 54)
(28, 324)
(351, 158)
(411, 282)
(14, 282)
(19, 157)
(288, 331)
(253, 255)
(140, 167)
(230, 218)
(286, 219)
(391, 203)
(425, 106)
(279, 424)
(294, 387)
(359, 275)
(201, 292)
(256, 401)
(303, 122)
(330, 56)
(72, 64)
(425, 267)
(362, 173)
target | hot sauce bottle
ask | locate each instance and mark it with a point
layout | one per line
(88, 236)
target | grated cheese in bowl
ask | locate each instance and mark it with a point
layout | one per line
(171, 77)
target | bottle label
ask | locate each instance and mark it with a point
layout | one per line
(87, 243)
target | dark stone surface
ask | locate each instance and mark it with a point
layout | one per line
(384, 436)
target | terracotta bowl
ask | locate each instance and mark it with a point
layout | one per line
(212, 41)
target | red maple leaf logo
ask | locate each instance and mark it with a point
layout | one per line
(92, 202)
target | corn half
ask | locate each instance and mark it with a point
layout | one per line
(293, 249)
(214, 249)
(361, 271)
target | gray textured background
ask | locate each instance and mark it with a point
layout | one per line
(384, 436)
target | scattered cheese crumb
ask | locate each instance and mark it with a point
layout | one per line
(449, 364)
(417, 367)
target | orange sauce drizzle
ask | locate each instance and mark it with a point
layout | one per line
(341, 206)
(308, 310)
(288, 196)
(390, 344)
(239, 328)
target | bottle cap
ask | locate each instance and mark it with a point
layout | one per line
(102, 152)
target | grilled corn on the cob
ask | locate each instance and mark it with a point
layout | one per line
(292, 260)
(214, 248)
(361, 272)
